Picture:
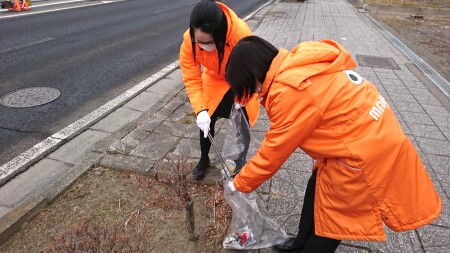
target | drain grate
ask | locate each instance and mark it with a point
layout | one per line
(377, 62)
(30, 97)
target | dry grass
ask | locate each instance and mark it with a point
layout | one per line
(110, 211)
(93, 235)
(416, 3)
(96, 235)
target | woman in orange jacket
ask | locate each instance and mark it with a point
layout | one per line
(213, 32)
(367, 171)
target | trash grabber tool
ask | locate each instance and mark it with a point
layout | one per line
(222, 161)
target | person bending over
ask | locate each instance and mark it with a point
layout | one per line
(367, 172)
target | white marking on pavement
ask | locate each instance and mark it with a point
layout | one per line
(25, 13)
(63, 2)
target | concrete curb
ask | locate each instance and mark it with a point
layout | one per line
(13, 220)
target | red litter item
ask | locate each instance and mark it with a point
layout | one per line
(245, 236)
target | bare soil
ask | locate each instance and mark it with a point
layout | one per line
(112, 211)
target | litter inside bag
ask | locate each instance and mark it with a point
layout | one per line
(251, 225)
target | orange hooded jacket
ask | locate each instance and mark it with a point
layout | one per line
(206, 90)
(368, 170)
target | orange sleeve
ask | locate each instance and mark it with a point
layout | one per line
(293, 117)
(192, 75)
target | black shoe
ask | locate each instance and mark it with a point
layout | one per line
(200, 170)
(239, 164)
(288, 245)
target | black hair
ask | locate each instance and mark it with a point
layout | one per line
(249, 61)
(209, 18)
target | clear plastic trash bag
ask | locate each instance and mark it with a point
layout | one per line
(251, 225)
(237, 137)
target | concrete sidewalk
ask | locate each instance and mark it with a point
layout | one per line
(158, 124)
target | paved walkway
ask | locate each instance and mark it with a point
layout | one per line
(158, 124)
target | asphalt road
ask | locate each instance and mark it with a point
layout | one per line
(90, 54)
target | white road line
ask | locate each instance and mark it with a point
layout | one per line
(63, 2)
(26, 13)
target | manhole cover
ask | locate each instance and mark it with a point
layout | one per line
(377, 62)
(30, 97)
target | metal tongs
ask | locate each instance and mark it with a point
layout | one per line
(221, 160)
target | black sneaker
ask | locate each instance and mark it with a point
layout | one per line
(288, 246)
(200, 170)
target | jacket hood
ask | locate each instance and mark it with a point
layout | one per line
(232, 21)
(312, 58)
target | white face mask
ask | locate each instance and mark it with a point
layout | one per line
(207, 47)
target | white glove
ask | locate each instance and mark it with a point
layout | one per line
(231, 186)
(203, 121)
(238, 106)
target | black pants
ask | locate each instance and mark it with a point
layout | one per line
(306, 236)
(223, 111)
